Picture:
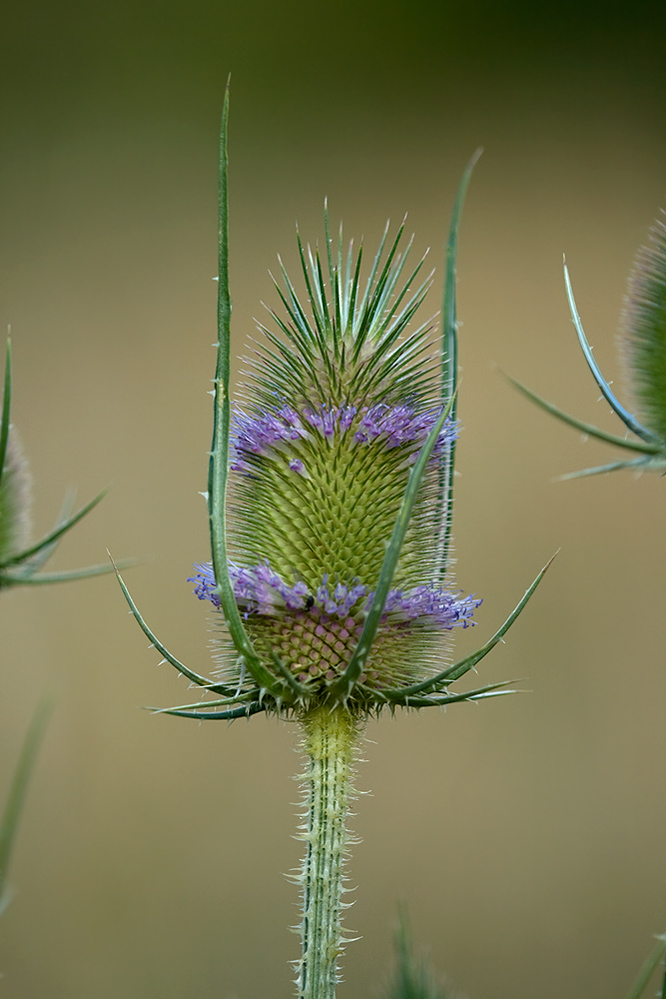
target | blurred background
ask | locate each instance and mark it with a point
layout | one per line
(527, 836)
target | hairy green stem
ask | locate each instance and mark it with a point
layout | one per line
(329, 743)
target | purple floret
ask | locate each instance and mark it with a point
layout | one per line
(402, 425)
(256, 434)
(268, 432)
(327, 421)
(259, 590)
(433, 602)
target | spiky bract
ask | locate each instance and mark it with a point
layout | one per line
(19, 563)
(643, 341)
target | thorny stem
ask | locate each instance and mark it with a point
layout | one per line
(329, 743)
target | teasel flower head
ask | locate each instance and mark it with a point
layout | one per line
(330, 493)
(643, 356)
(332, 597)
(21, 561)
(334, 417)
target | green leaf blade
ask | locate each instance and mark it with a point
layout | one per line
(18, 789)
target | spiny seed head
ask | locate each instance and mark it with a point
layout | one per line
(336, 408)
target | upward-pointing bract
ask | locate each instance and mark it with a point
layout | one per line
(643, 339)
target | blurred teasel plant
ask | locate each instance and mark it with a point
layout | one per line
(643, 353)
(332, 594)
(20, 561)
(15, 800)
(413, 977)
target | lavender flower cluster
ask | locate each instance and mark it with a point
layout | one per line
(393, 425)
(259, 590)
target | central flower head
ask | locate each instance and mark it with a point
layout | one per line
(338, 404)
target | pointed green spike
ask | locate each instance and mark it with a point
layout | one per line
(200, 681)
(647, 970)
(66, 575)
(242, 712)
(54, 535)
(221, 702)
(298, 688)
(629, 421)
(469, 662)
(218, 469)
(65, 512)
(412, 978)
(6, 407)
(638, 465)
(18, 789)
(490, 689)
(642, 446)
(449, 365)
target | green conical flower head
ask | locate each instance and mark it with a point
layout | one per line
(338, 404)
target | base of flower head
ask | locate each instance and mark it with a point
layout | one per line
(315, 633)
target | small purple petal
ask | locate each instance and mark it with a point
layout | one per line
(206, 585)
(257, 434)
(259, 590)
(266, 431)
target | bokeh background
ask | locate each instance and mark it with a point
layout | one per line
(527, 835)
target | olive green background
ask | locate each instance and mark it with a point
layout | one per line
(527, 835)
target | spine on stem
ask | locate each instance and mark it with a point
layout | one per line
(329, 744)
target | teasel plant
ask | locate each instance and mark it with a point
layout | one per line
(330, 499)
(413, 976)
(20, 561)
(643, 357)
(20, 565)
(11, 814)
